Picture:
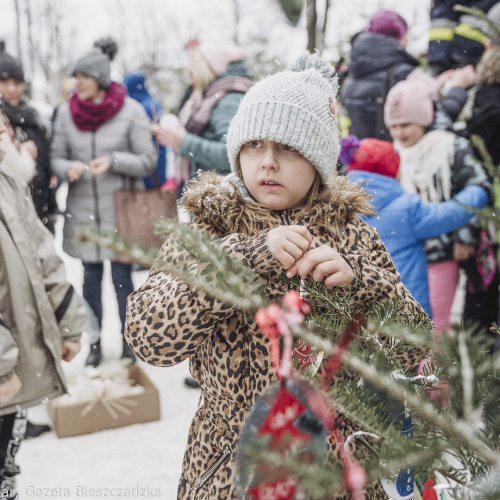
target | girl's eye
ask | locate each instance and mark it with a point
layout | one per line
(286, 147)
(255, 144)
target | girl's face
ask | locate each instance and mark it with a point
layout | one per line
(276, 175)
(86, 87)
(407, 134)
(12, 91)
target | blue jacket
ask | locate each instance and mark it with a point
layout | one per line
(404, 221)
(135, 83)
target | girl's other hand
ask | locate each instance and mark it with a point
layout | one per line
(323, 264)
(70, 349)
(31, 148)
(288, 243)
(76, 170)
(100, 165)
(9, 388)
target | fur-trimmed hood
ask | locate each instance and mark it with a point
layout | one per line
(488, 69)
(224, 205)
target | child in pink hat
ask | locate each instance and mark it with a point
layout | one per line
(436, 164)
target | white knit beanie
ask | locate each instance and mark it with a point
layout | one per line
(295, 107)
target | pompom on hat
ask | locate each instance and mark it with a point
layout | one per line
(371, 155)
(10, 67)
(409, 101)
(97, 62)
(389, 23)
(295, 107)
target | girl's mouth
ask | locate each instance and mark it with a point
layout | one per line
(270, 184)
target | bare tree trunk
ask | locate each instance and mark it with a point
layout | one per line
(323, 28)
(31, 44)
(237, 19)
(312, 19)
(18, 30)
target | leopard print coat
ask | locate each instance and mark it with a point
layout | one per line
(167, 321)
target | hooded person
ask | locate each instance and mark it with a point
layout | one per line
(402, 219)
(101, 142)
(379, 60)
(135, 83)
(282, 210)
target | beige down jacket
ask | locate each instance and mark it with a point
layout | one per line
(38, 307)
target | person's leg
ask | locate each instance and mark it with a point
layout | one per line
(12, 429)
(481, 311)
(122, 281)
(443, 281)
(92, 293)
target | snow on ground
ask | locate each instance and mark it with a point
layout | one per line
(143, 458)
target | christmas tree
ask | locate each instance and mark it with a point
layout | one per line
(454, 447)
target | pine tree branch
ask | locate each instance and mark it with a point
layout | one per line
(459, 432)
(242, 290)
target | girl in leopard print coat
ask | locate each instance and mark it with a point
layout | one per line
(283, 210)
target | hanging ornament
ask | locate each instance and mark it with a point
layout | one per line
(289, 418)
(400, 485)
(306, 358)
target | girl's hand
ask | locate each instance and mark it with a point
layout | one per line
(76, 170)
(9, 388)
(323, 264)
(288, 243)
(70, 349)
(463, 252)
(168, 137)
(31, 148)
(100, 165)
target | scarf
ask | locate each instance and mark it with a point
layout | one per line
(89, 115)
(23, 116)
(426, 166)
(196, 112)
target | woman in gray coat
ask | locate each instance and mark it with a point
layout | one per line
(101, 142)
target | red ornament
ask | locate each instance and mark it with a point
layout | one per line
(280, 422)
(283, 489)
(429, 491)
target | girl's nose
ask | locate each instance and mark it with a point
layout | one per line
(270, 162)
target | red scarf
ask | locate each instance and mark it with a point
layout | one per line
(89, 115)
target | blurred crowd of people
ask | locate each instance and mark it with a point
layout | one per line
(429, 110)
(407, 126)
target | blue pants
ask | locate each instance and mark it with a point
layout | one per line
(92, 288)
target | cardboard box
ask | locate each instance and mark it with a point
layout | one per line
(83, 418)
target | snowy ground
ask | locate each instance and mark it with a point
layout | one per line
(143, 458)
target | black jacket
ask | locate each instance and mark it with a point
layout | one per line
(371, 58)
(28, 123)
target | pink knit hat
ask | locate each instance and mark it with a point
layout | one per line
(219, 57)
(409, 101)
(387, 22)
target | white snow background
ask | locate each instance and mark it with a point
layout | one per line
(142, 458)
